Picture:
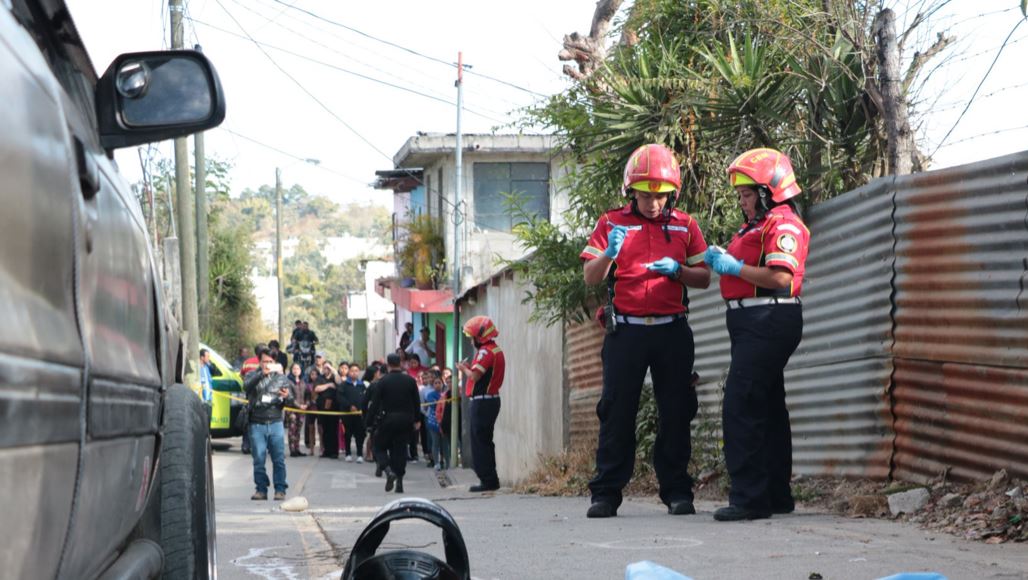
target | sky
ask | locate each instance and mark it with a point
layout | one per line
(293, 101)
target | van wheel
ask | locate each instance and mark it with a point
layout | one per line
(187, 489)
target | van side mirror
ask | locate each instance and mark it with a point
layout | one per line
(153, 96)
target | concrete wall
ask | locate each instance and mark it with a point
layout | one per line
(482, 249)
(534, 403)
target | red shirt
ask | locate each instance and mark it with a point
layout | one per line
(780, 239)
(490, 362)
(415, 372)
(249, 365)
(638, 291)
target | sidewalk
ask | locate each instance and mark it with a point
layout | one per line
(526, 537)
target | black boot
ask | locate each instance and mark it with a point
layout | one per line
(735, 513)
(390, 479)
(601, 509)
(399, 485)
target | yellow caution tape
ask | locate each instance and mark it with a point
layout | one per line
(309, 412)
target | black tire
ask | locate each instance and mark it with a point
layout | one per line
(187, 489)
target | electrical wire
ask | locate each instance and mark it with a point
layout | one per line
(263, 45)
(377, 54)
(406, 82)
(982, 82)
(294, 156)
(410, 50)
(304, 89)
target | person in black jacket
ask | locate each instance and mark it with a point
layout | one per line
(372, 375)
(326, 399)
(268, 390)
(396, 409)
(352, 393)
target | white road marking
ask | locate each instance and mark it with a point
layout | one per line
(268, 567)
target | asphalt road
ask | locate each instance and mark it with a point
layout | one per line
(525, 537)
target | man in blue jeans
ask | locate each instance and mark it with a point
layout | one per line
(268, 390)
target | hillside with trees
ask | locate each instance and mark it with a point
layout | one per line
(315, 290)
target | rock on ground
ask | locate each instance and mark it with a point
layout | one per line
(908, 502)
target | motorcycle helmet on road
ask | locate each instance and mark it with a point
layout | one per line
(365, 564)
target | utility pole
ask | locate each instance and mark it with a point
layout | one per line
(187, 241)
(278, 259)
(455, 394)
(202, 272)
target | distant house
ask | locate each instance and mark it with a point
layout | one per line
(423, 184)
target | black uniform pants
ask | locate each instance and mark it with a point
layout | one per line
(483, 453)
(758, 440)
(667, 351)
(391, 437)
(355, 429)
(329, 435)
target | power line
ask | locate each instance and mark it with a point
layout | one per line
(968, 106)
(409, 50)
(294, 156)
(262, 45)
(413, 70)
(377, 54)
(406, 82)
(303, 88)
(308, 38)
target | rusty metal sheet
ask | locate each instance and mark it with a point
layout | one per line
(584, 372)
(848, 284)
(970, 419)
(840, 417)
(837, 380)
(962, 257)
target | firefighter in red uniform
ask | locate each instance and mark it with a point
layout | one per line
(648, 252)
(485, 377)
(761, 279)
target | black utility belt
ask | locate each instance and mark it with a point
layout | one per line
(265, 421)
(653, 320)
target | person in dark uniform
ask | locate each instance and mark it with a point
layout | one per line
(326, 396)
(396, 410)
(485, 377)
(649, 253)
(761, 279)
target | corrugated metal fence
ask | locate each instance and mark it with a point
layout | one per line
(915, 346)
(960, 389)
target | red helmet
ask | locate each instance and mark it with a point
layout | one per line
(481, 328)
(766, 167)
(653, 168)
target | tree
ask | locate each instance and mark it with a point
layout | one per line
(234, 317)
(711, 79)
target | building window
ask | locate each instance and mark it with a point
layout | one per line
(493, 181)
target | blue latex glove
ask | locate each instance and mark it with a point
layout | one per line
(615, 237)
(711, 255)
(666, 266)
(727, 264)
